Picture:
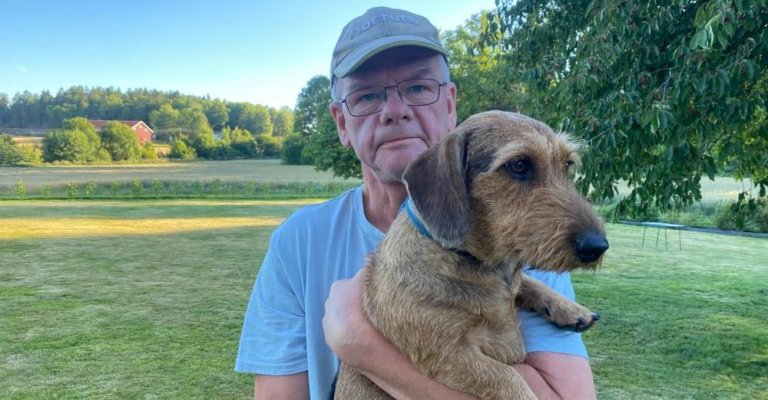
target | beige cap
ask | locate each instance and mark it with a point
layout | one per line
(379, 29)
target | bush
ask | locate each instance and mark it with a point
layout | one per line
(293, 148)
(64, 145)
(180, 150)
(120, 141)
(750, 216)
(148, 151)
(10, 154)
(269, 145)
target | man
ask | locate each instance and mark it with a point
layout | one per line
(392, 100)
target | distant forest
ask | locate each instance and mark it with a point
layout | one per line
(47, 111)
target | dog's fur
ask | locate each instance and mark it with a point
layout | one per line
(495, 195)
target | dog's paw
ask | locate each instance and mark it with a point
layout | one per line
(571, 316)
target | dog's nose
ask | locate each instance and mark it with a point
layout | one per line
(590, 246)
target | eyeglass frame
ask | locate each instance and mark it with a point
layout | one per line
(399, 94)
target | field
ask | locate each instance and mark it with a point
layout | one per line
(144, 299)
(227, 171)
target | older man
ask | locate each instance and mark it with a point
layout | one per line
(392, 100)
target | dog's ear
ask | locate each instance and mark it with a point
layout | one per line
(436, 183)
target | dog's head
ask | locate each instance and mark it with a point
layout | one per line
(500, 187)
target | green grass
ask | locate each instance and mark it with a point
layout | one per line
(127, 299)
(144, 299)
(679, 324)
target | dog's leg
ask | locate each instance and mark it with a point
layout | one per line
(536, 296)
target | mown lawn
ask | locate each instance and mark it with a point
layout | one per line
(144, 299)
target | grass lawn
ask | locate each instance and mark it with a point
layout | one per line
(144, 299)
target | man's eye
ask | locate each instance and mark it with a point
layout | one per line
(415, 88)
(369, 97)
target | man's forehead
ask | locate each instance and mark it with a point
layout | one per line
(395, 66)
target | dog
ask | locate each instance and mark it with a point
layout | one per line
(444, 283)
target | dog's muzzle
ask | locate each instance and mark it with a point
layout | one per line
(590, 246)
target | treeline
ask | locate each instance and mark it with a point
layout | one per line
(46, 111)
(189, 123)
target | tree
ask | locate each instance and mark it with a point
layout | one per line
(314, 122)
(664, 92)
(217, 113)
(120, 141)
(94, 141)
(477, 70)
(5, 109)
(242, 142)
(293, 150)
(282, 121)
(64, 145)
(10, 154)
(255, 118)
(180, 150)
(193, 123)
(165, 117)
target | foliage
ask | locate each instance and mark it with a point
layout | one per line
(180, 150)
(269, 145)
(31, 155)
(120, 141)
(217, 114)
(205, 146)
(242, 143)
(164, 118)
(161, 109)
(148, 151)
(194, 124)
(282, 121)
(314, 122)
(67, 145)
(255, 119)
(751, 216)
(10, 154)
(665, 93)
(293, 148)
(94, 140)
(477, 70)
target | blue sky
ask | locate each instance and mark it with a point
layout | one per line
(259, 51)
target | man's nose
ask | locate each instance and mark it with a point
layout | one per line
(394, 107)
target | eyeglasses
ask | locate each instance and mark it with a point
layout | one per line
(414, 92)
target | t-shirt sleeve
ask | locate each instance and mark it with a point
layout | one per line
(273, 340)
(542, 335)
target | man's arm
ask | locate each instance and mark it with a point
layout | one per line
(558, 376)
(353, 338)
(288, 387)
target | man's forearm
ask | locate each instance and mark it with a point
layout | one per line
(396, 375)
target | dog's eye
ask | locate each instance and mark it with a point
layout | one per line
(520, 169)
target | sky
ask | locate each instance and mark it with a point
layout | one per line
(258, 51)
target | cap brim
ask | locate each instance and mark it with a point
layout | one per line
(360, 55)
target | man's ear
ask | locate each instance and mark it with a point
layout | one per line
(337, 112)
(451, 104)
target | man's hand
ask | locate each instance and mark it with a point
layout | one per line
(348, 331)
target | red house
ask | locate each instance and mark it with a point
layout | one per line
(143, 131)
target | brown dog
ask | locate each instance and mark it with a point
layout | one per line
(444, 283)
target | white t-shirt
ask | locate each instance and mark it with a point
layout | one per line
(314, 247)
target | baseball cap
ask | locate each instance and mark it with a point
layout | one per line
(379, 29)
